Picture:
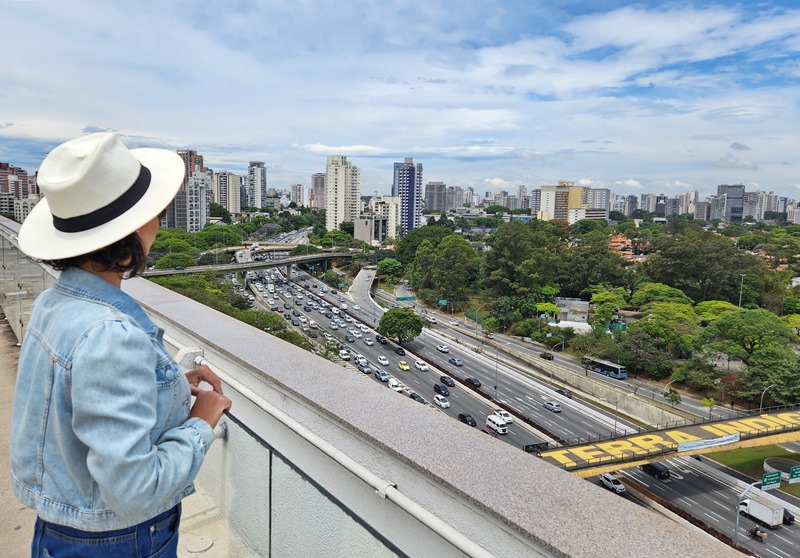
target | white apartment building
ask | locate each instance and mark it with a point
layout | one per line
(227, 191)
(342, 191)
(256, 184)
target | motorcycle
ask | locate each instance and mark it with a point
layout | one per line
(756, 534)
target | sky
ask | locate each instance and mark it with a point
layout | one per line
(649, 97)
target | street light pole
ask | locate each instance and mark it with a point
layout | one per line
(761, 405)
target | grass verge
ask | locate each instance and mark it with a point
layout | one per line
(750, 461)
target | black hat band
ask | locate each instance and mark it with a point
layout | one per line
(109, 212)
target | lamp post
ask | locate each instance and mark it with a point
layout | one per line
(761, 405)
(741, 288)
(553, 348)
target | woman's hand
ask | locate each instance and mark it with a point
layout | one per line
(209, 405)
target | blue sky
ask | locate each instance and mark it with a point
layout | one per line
(661, 97)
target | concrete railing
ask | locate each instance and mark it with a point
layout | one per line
(323, 461)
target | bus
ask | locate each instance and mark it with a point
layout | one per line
(611, 369)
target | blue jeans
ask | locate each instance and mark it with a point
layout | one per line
(154, 538)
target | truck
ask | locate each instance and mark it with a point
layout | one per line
(763, 511)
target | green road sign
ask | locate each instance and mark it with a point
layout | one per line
(401, 298)
(771, 480)
(794, 474)
(442, 302)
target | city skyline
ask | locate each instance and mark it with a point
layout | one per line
(650, 97)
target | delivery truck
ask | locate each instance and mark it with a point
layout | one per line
(763, 511)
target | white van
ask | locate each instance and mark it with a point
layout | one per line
(497, 424)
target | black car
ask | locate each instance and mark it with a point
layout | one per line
(472, 382)
(400, 351)
(441, 389)
(788, 518)
(380, 338)
(455, 361)
(287, 305)
(447, 380)
(296, 313)
(564, 392)
(295, 322)
(416, 397)
(467, 418)
(288, 316)
(349, 338)
(547, 356)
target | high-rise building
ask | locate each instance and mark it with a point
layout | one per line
(388, 209)
(753, 204)
(14, 181)
(298, 195)
(732, 197)
(598, 199)
(256, 184)
(556, 200)
(407, 186)
(227, 191)
(198, 200)
(342, 192)
(316, 199)
(454, 198)
(436, 196)
(182, 211)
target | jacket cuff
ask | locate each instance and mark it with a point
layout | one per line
(205, 433)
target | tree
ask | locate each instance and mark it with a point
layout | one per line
(401, 324)
(216, 210)
(749, 329)
(390, 267)
(348, 227)
(711, 310)
(173, 260)
(493, 209)
(652, 292)
(455, 268)
(406, 248)
(672, 396)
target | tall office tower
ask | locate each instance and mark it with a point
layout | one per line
(227, 191)
(454, 198)
(702, 210)
(536, 201)
(436, 196)
(522, 191)
(599, 199)
(180, 213)
(470, 197)
(733, 196)
(647, 202)
(753, 204)
(631, 205)
(256, 184)
(661, 204)
(316, 200)
(407, 186)
(388, 209)
(342, 192)
(298, 195)
(672, 206)
(686, 202)
(556, 200)
(511, 202)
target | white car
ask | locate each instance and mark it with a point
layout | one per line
(357, 334)
(368, 341)
(505, 415)
(356, 307)
(421, 365)
(612, 483)
(383, 361)
(441, 401)
(395, 385)
(443, 348)
(364, 329)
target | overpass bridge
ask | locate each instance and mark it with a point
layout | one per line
(776, 426)
(234, 267)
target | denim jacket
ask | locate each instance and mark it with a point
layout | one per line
(100, 438)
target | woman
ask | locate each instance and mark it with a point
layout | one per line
(105, 440)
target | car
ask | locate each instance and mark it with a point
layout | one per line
(180, 267)
(344, 354)
(383, 361)
(400, 351)
(488, 335)
(349, 338)
(441, 389)
(443, 348)
(380, 338)
(565, 392)
(381, 375)
(361, 359)
(368, 341)
(545, 355)
(403, 365)
(467, 418)
(472, 382)
(416, 397)
(334, 326)
(554, 406)
(447, 380)
(287, 315)
(612, 483)
(365, 369)
(295, 322)
(490, 432)
(356, 307)
(357, 334)
(394, 385)
(441, 401)
(453, 323)
(287, 305)
(455, 361)
(280, 310)
(658, 470)
(421, 365)
(505, 415)
(295, 313)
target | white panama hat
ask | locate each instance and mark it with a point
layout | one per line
(96, 192)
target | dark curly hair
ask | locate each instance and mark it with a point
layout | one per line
(125, 255)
